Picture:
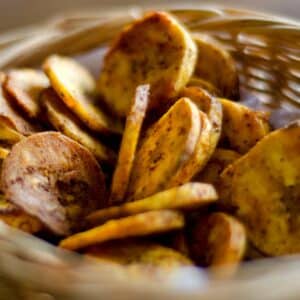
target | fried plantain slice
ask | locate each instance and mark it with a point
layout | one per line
(208, 137)
(262, 188)
(24, 86)
(131, 134)
(3, 152)
(139, 225)
(207, 86)
(218, 240)
(242, 127)
(131, 252)
(77, 89)
(156, 50)
(166, 146)
(64, 121)
(218, 162)
(54, 179)
(17, 218)
(10, 116)
(8, 136)
(188, 196)
(216, 65)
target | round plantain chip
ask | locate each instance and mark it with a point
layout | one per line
(64, 121)
(131, 252)
(218, 240)
(156, 50)
(207, 86)
(24, 86)
(216, 65)
(54, 179)
(77, 89)
(262, 189)
(131, 134)
(187, 196)
(242, 126)
(138, 225)
(167, 145)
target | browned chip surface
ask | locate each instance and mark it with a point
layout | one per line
(55, 179)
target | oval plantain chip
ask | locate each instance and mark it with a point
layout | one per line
(156, 50)
(242, 126)
(77, 89)
(25, 86)
(54, 179)
(64, 121)
(187, 196)
(139, 225)
(166, 146)
(216, 65)
(262, 189)
(131, 134)
(207, 86)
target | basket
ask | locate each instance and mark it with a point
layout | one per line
(267, 53)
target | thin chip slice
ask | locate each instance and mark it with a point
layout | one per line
(24, 86)
(156, 50)
(262, 189)
(131, 134)
(141, 253)
(77, 88)
(218, 240)
(242, 126)
(207, 86)
(54, 179)
(8, 136)
(165, 147)
(64, 121)
(139, 225)
(216, 65)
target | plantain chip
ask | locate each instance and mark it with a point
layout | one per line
(131, 134)
(262, 189)
(166, 146)
(139, 225)
(24, 86)
(3, 152)
(242, 127)
(64, 121)
(188, 196)
(156, 50)
(8, 136)
(216, 65)
(207, 86)
(55, 179)
(77, 89)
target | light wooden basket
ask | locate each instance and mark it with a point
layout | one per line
(267, 52)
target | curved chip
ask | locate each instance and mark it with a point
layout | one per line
(24, 86)
(54, 179)
(64, 121)
(156, 50)
(218, 240)
(165, 147)
(216, 65)
(188, 196)
(263, 190)
(139, 225)
(131, 134)
(8, 136)
(77, 89)
(242, 126)
(207, 86)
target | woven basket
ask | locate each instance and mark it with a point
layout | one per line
(267, 52)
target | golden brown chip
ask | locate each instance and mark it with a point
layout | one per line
(24, 86)
(64, 121)
(134, 122)
(216, 65)
(54, 179)
(263, 190)
(242, 127)
(218, 240)
(156, 50)
(3, 152)
(139, 225)
(77, 88)
(8, 136)
(207, 86)
(165, 147)
(187, 196)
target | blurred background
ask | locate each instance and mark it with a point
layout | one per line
(16, 13)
